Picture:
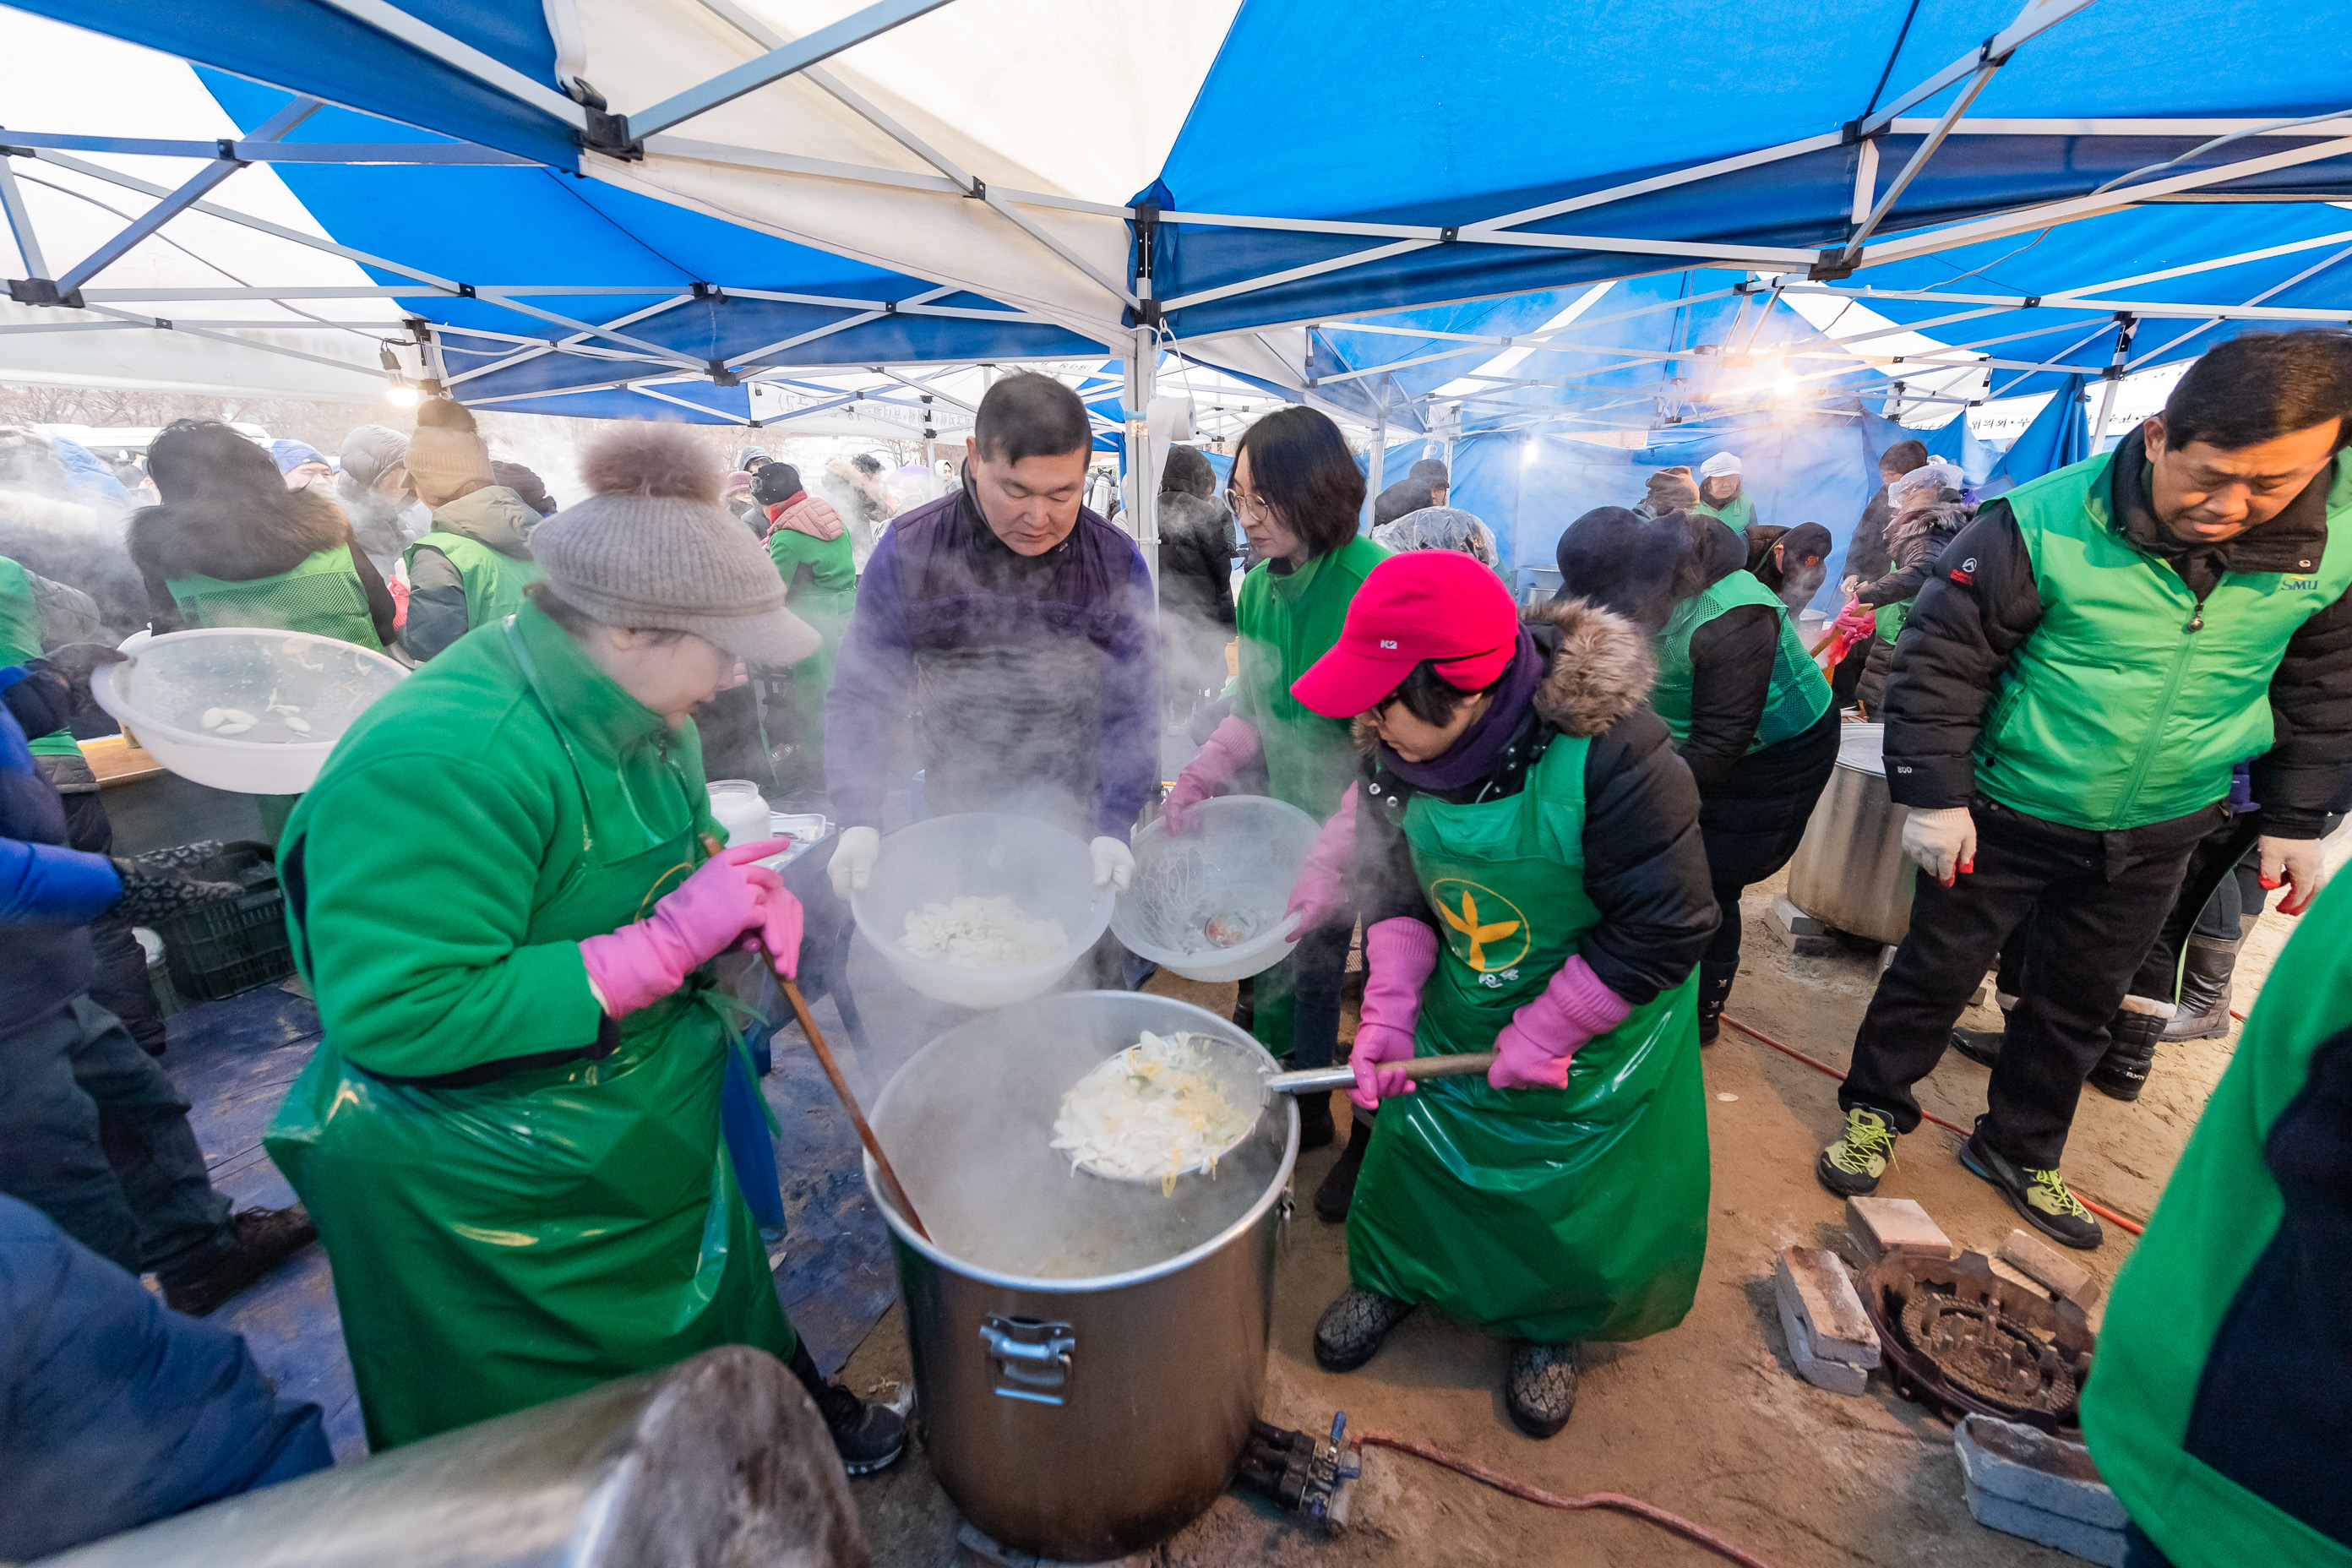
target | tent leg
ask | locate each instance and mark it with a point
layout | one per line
(1142, 495)
(1372, 482)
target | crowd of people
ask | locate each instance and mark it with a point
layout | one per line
(2114, 699)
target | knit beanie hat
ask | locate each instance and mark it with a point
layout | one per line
(1673, 490)
(652, 548)
(446, 456)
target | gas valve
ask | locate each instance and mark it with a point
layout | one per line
(1312, 1477)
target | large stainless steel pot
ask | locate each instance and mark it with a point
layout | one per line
(1850, 871)
(1088, 1354)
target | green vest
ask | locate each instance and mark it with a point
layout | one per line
(2206, 1280)
(1799, 696)
(20, 643)
(323, 595)
(1285, 623)
(1735, 514)
(494, 580)
(1536, 1213)
(2129, 704)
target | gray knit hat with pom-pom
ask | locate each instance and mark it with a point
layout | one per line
(652, 548)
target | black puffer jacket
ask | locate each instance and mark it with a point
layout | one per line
(1644, 865)
(1915, 541)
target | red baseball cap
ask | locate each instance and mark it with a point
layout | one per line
(1424, 604)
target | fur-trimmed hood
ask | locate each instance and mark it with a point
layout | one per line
(235, 541)
(1943, 518)
(1597, 668)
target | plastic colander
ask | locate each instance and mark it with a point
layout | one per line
(1229, 879)
(300, 691)
(982, 854)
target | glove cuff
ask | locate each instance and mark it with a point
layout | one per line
(1578, 997)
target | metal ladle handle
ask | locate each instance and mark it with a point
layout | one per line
(1313, 1078)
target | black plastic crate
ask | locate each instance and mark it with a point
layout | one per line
(237, 945)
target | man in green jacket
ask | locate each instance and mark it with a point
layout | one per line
(2092, 657)
(473, 565)
(2221, 1413)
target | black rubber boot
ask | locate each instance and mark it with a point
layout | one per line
(867, 1437)
(1714, 990)
(1338, 1190)
(1539, 1390)
(2121, 1073)
(2205, 971)
(1353, 1327)
(1315, 1128)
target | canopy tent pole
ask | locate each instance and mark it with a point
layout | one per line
(20, 222)
(1380, 455)
(1142, 498)
(2114, 376)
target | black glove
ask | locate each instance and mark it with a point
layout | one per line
(180, 856)
(151, 893)
(74, 661)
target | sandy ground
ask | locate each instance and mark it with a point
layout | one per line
(1708, 1420)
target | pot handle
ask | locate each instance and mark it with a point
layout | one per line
(1029, 1359)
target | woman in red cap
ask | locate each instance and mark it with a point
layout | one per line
(1528, 863)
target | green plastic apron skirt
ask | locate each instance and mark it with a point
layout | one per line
(1535, 1214)
(323, 595)
(504, 1244)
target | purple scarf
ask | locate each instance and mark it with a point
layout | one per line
(1472, 757)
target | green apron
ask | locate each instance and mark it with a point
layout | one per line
(321, 596)
(1535, 1214)
(500, 1246)
(1737, 514)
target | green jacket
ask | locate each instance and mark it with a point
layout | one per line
(1286, 622)
(484, 565)
(820, 576)
(1799, 696)
(2221, 1411)
(20, 642)
(2130, 701)
(1738, 513)
(323, 595)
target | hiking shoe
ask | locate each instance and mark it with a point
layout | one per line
(868, 1437)
(1337, 1192)
(1851, 1167)
(1353, 1327)
(2042, 1196)
(1315, 1130)
(2123, 1072)
(1539, 1390)
(265, 1238)
(1982, 1047)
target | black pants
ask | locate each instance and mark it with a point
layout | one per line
(1296, 1003)
(1753, 824)
(121, 985)
(2094, 902)
(94, 1134)
(2212, 899)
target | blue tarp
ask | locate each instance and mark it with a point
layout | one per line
(2060, 435)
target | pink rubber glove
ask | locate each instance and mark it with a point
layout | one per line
(726, 897)
(1321, 891)
(1219, 762)
(1533, 1050)
(1858, 621)
(1398, 956)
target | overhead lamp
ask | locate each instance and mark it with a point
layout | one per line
(399, 393)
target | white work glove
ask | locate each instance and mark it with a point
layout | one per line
(1114, 863)
(2299, 861)
(1943, 843)
(853, 860)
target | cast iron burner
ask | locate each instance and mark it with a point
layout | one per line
(1960, 1339)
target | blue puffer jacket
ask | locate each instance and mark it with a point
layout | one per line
(47, 892)
(115, 1411)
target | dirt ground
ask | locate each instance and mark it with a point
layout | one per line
(1708, 1420)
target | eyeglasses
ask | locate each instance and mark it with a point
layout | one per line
(1250, 507)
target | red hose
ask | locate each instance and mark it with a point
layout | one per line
(2136, 1228)
(1373, 1439)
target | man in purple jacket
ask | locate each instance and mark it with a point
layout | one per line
(1014, 628)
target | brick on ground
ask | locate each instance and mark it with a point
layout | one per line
(2028, 1483)
(2017, 1277)
(1880, 1226)
(1815, 1285)
(2058, 1276)
(1837, 1376)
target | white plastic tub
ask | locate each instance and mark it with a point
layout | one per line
(1046, 871)
(1237, 865)
(301, 691)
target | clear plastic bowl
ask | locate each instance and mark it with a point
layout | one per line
(301, 691)
(1237, 869)
(982, 854)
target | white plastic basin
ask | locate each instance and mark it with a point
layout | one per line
(282, 680)
(982, 854)
(1237, 869)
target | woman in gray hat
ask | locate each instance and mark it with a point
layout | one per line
(506, 890)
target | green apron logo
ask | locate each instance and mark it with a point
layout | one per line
(1484, 928)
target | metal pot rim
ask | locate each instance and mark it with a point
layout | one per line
(1093, 1283)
